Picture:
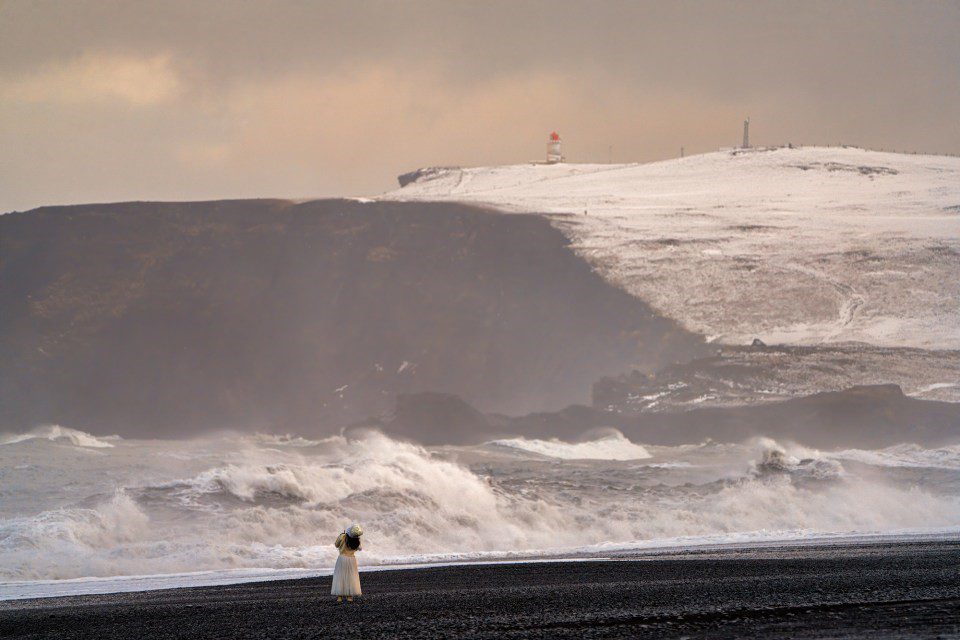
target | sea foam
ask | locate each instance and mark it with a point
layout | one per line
(609, 447)
(239, 503)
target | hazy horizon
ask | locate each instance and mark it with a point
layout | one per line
(183, 101)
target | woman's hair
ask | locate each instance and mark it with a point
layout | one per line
(353, 543)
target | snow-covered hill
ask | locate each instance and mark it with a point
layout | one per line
(795, 246)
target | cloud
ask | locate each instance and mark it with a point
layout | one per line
(95, 78)
(384, 119)
(183, 100)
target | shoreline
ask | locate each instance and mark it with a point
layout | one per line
(856, 590)
(19, 590)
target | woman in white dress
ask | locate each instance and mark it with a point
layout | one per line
(346, 577)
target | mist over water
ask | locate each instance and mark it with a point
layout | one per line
(72, 505)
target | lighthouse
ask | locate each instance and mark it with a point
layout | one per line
(553, 149)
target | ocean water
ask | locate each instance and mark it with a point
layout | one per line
(76, 509)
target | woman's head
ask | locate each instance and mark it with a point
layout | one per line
(352, 539)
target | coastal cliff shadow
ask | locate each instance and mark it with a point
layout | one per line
(163, 319)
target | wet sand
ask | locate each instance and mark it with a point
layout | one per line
(903, 590)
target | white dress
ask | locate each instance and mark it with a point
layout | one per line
(346, 577)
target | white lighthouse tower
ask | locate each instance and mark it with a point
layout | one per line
(553, 149)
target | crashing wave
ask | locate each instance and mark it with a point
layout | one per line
(288, 440)
(72, 542)
(906, 455)
(609, 447)
(55, 432)
(776, 461)
(251, 481)
(244, 506)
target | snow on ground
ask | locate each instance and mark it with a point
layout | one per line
(795, 246)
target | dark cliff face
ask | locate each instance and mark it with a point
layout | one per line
(161, 319)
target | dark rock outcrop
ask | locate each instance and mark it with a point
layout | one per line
(432, 418)
(869, 416)
(746, 375)
(159, 319)
(422, 174)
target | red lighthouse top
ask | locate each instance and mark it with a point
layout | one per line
(554, 136)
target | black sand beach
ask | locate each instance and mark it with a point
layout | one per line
(878, 590)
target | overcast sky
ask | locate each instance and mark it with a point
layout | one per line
(110, 100)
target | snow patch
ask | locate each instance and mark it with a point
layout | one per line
(804, 245)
